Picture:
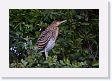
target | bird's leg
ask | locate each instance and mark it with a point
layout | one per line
(46, 55)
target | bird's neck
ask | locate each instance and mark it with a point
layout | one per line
(52, 27)
(54, 30)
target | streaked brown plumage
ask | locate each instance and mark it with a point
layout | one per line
(47, 39)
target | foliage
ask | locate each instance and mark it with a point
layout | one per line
(76, 47)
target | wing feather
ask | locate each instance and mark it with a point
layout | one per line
(44, 38)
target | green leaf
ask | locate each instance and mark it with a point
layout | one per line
(24, 62)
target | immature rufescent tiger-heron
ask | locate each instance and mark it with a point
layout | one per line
(47, 39)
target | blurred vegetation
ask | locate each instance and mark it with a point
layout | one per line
(77, 45)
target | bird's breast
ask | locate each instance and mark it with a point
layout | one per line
(55, 33)
(51, 42)
(50, 45)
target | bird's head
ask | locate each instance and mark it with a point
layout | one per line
(57, 23)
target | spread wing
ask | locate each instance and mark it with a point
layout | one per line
(43, 39)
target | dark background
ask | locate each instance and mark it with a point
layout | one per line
(77, 45)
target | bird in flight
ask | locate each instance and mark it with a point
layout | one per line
(47, 39)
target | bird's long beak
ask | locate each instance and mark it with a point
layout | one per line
(63, 21)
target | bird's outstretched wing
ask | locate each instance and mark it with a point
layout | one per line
(43, 39)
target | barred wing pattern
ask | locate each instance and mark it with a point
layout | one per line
(44, 39)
